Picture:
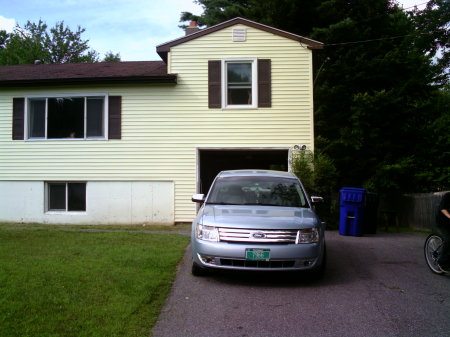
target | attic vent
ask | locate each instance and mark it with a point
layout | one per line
(239, 35)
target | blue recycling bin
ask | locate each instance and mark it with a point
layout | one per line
(351, 201)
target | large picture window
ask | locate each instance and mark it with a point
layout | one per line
(239, 83)
(66, 197)
(66, 117)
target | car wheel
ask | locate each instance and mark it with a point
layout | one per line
(198, 271)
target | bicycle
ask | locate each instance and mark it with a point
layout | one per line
(432, 250)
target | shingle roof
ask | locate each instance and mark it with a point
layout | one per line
(75, 73)
(123, 72)
(164, 48)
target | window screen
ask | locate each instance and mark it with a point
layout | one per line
(239, 83)
(36, 120)
(57, 197)
(76, 196)
(94, 117)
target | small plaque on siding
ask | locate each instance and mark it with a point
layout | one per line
(239, 35)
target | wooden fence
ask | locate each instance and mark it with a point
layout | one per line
(418, 210)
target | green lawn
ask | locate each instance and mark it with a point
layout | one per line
(55, 282)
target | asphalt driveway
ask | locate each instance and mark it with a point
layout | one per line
(375, 285)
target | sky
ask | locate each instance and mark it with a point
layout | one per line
(132, 28)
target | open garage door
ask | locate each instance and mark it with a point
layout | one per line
(212, 161)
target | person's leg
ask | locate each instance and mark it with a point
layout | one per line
(444, 259)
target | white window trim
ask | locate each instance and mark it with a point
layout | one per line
(84, 95)
(254, 62)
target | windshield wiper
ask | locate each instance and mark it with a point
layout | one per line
(220, 203)
(258, 204)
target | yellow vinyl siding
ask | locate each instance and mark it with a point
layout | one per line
(163, 125)
(290, 119)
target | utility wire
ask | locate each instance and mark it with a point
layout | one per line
(413, 6)
(372, 40)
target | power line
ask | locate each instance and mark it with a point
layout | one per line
(424, 3)
(384, 38)
(372, 40)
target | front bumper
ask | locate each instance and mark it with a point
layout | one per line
(226, 255)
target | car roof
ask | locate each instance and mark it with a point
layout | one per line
(257, 173)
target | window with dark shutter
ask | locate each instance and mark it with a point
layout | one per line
(264, 83)
(18, 127)
(115, 117)
(66, 117)
(234, 87)
(214, 84)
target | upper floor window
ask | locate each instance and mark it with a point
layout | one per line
(239, 83)
(79, 117)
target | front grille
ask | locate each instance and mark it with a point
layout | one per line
(257, 264)
(256, 235)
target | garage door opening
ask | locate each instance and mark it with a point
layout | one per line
(212, 161)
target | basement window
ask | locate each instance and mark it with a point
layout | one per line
(66, 117)
(66, 197)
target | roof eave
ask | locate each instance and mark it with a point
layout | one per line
(163, 49)
(171, 79)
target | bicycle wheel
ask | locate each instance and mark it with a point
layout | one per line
(432, 247)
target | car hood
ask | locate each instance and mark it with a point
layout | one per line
(257, 217)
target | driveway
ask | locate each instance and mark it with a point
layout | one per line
(376, 285)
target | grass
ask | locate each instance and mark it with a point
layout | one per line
(69, 283)
(134, 228)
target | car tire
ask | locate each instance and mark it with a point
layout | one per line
(198, 271)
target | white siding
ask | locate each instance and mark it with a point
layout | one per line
(163, 125)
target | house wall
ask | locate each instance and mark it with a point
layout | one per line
(132, 202)
(162, 127)
(288, 122)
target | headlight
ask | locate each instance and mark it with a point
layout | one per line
(207, 233)
(308, 235)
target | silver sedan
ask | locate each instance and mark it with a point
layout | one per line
(257, 220)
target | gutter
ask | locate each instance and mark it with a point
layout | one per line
(171, 79)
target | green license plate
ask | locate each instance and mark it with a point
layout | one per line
(257, 254)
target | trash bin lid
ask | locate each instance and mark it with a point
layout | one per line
(352, 194)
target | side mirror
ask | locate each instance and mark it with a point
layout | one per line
(198, 198)
(316, 200)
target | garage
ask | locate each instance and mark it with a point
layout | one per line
(212, 161)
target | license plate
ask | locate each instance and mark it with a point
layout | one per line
(257, 254)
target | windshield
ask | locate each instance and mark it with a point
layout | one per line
(268, 191)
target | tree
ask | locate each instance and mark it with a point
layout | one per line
(433, 38)
(378, 83)
(216, 11)
(433, 171)
(23, 45)
(35, 42)
(298, 16)
(375, 95)
(111, 57)
(318, 174)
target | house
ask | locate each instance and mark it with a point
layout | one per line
(130, 142)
